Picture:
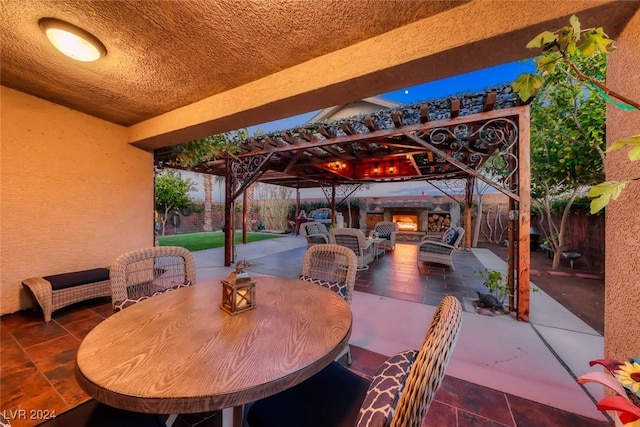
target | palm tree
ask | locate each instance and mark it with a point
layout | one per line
(208, 223)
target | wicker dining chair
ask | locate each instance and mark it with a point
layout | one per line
(143, 273)
(334, 267)
(428, 370)
(399, 395)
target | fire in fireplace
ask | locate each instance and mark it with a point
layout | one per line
(406, 222)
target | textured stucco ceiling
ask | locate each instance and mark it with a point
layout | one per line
(181, 70)
(167, 54)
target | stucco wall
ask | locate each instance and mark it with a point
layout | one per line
(622, 282)
(74, 193)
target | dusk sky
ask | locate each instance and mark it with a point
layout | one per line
(470, 82)
(465, 83)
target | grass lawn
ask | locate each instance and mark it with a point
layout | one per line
(200, 241)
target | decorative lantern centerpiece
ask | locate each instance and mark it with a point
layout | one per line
(238, 291)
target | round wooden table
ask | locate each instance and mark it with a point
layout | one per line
(180, 353)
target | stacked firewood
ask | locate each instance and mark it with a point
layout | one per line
(439, 222)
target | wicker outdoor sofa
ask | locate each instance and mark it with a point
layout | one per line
(60, 290)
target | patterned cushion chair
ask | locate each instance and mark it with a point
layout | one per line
(398, 396)
(354, 240)
(143, 273)
(334, 267)
(315, 233)
(387, 230)
(435, 252)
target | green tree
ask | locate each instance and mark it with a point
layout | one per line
(172, 193)
(567, 141)
(565, 47)
(208, 200)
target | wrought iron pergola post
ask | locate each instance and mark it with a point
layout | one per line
(244, 217)
(240, 174)
(333, 204)
(468, 205)
(228, 215)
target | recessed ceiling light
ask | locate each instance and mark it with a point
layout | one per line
(72, 41)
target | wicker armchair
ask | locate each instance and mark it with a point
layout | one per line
(143, 273)
(399, 394)
(334, 267)
(315, 233)
(387, 230)
(354, 240)
(435, 252)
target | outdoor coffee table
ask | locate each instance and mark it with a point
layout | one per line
(376, 241)
(180, 353)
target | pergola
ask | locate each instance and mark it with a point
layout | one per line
(440, 140)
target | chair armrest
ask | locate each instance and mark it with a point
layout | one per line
(317, 238)
(41, 289)
(435, 247)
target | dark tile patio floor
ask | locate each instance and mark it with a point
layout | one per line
(37, 358)
(394, 274)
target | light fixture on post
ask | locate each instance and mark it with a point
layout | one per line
(238, 291)
(72, 41)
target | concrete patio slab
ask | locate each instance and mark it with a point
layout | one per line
(537, 360)
(504, 355)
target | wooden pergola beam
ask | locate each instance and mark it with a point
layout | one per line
(369, 123)
(306, 135)
(524, 220)
(384, 133)
(293, 160)
(348, 129)
(415, 165)
(333, 152)
(455, 108)
(490, 101)
(424, 113)
(325, 132)
(397, 120)
(464, 167)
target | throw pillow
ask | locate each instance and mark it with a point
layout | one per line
(338, 287)
(450, 237)
(383, 394)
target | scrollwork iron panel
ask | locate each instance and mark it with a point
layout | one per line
(473, 144)
(243, 170)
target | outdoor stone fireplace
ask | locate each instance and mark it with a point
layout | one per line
(417, 217)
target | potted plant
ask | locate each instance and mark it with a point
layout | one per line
(496, 284)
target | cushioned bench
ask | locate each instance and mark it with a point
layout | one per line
(61, 290)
